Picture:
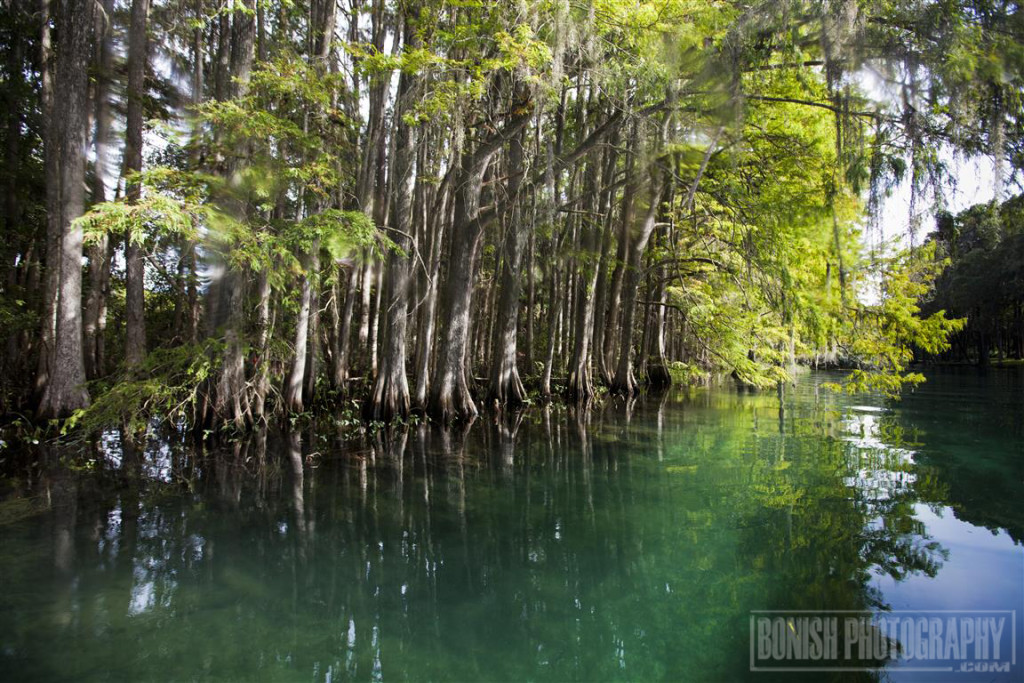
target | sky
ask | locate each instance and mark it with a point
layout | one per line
(975, 183)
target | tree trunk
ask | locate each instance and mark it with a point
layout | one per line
(370, 182)
(554, 329)
(54, 227)
(231, 399)
(190, 332)
(450, 397)
(531, 289)
(221, 73)
(264, 333)
(580, 386)
(339, 371)
(601, 286)
(135, 313)
(293, 399)
(658, 376)
(618, 274)
(14, 99)
(425, 347)
(323, 15)
(506, 388)
(365, 291)
(391, 389)
(373, 319)
(624, 382)
(334, 328)
(99, 252)
(313, 348)
(65, 389)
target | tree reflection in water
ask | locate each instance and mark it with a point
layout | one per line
(629, 540)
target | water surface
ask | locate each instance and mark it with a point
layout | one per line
(630, 542)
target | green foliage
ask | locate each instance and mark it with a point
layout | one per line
(16, 315)
(748, 110)
(339, 233)
(778, 273)
(168, 386)
(984, 282)
(883, 335)
(757, 247)
(156, 214)
(685, 374)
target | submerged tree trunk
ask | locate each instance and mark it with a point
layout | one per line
(65, 390)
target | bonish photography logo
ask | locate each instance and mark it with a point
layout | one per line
(969, 643)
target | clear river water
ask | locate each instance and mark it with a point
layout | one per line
(648, 541)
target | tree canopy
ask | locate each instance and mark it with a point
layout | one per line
(426, 205)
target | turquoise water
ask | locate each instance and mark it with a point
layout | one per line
(630, 542)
